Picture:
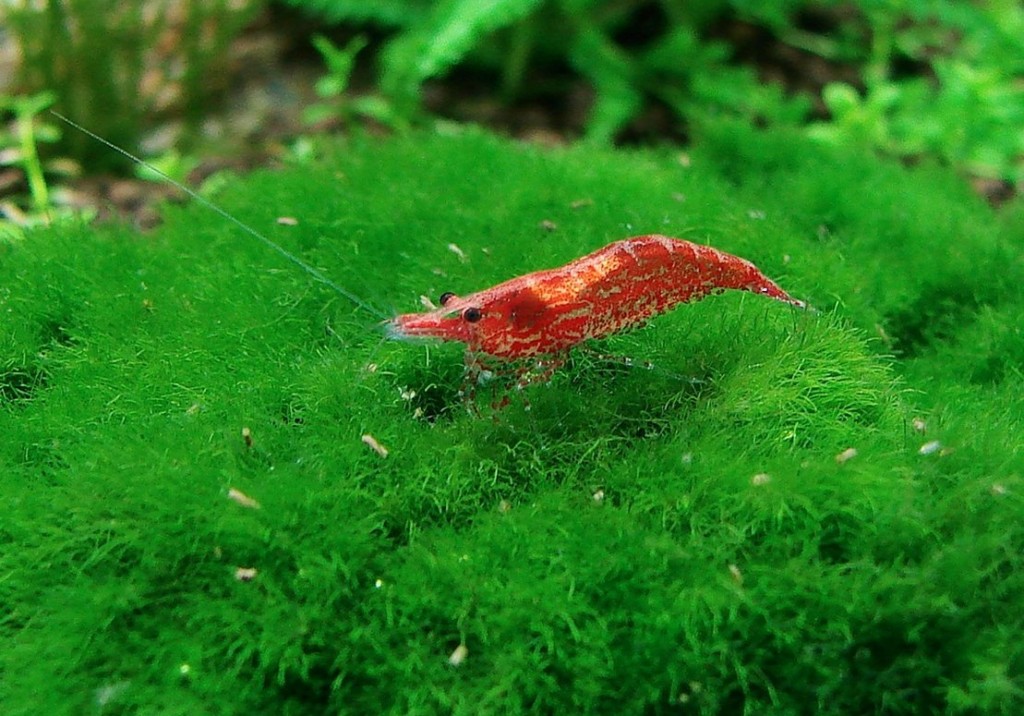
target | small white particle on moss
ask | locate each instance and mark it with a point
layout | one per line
(998, 489)
(599, 496)
(193, 409)
(930, 448)
(454, 248)
(756, 214)
(110, 692)
(246, 574)
(919, 424)
(242, 499)
(184, 669)
(504, 506)
(846, 455)
(886, 338)
(374, 445)
(459, 655)
(761, 478)
(247, 437)
(737, 575)
(687, 458)
(378, 584)
(287, 221)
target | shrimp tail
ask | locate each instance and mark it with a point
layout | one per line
(698, 271)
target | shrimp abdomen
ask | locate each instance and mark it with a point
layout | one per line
(635, 279)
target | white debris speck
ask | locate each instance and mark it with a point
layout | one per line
(110, 692)
(846, 455)
(756, 214)
(761, 478)
(998, 489)
(246, 574)
(737, 575)
(886, 338)
(919, 424)
(378, 584)
(599, 496)
(406, 393)
(459, 655)
(547, 225)
(684, 160)
(374, 445)
(930, 448)
(687, 458)
(454, 248)
(242, 499)
(287, 221)
(184, 669)
(580, 203)
(504, 506)
(247, 437)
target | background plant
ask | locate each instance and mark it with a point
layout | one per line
(111, 64)
(966, 105)
(936, 77)
(917, 78)
(27, 199)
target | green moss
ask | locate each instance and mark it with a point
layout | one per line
(637, 540)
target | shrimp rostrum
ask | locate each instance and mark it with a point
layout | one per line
(540, 316)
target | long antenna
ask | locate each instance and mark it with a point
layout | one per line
(315, 273)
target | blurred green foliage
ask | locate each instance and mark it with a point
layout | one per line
(910, 78)
(112, 63)
(937, 77)
(965, 103)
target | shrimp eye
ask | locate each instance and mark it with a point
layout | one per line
(472, 314)
(446, 297)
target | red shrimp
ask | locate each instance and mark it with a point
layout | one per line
(540, 316)
(548, 312)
